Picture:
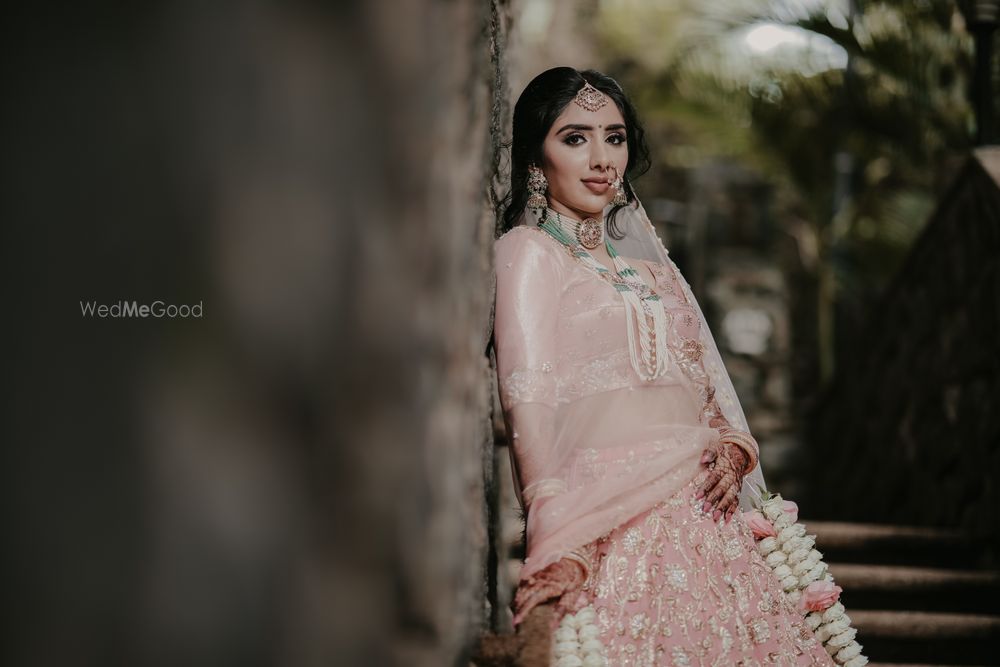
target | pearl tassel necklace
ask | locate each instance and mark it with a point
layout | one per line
(645, 317)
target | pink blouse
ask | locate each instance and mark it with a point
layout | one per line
(593, 444)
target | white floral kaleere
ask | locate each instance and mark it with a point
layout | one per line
(805, 578)
(577, 641)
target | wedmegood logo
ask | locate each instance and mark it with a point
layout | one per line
(124, 309)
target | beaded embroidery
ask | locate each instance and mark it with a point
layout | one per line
(527, 385)
(672, 587)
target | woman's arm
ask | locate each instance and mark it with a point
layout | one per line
(736, 454)
(529, 282)
(728, 434)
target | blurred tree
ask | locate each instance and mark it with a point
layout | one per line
(856, 114)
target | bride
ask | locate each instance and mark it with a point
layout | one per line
(630, 451)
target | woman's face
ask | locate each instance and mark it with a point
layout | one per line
(580, 153)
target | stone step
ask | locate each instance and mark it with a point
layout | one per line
(869, 543)
(888, 587)
(927, 637)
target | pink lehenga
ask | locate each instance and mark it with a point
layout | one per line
(606, 462)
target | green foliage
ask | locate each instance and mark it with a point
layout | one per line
(898, 109)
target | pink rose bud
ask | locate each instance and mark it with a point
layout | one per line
(791, 508)
(819, 595)
(759, 525)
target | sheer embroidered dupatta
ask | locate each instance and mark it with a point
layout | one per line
(586, 464)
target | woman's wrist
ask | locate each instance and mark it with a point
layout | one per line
(745, 442)
(739, 457)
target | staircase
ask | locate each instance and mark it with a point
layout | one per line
(915, 595)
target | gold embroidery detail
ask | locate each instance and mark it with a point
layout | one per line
(671, 586)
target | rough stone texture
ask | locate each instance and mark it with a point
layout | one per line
(910, 432)
(499, 588)
(298, 477)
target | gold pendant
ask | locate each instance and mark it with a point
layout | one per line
(589, 233)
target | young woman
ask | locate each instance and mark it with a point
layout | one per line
(629, 446)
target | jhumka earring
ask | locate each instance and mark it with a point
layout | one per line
(619, 185)
(537, 186)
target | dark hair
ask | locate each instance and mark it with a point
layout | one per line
(536, 110)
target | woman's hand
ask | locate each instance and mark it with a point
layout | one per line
(726, 464)
(562, 577)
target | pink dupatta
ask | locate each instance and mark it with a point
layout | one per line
(593, 445)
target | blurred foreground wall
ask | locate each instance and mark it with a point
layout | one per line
(296, 477)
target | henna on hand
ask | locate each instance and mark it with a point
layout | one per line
(563, 576)
(726, 464)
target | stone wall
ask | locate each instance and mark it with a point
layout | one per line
(909, 432)
(298, 477)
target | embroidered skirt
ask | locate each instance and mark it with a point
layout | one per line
(672, 587)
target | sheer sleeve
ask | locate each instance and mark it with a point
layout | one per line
(529, 284)
(729, 434)
(689, 352)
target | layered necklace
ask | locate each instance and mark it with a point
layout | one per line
(645, 317)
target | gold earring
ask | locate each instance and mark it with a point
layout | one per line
(537, 186)
(619, 185)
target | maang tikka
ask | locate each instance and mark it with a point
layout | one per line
(590, 98)
(537, 186)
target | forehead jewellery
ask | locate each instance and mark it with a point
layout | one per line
(590, 98)
(645, 316)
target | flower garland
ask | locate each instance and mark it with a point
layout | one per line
(804, 576)
(577, 642)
